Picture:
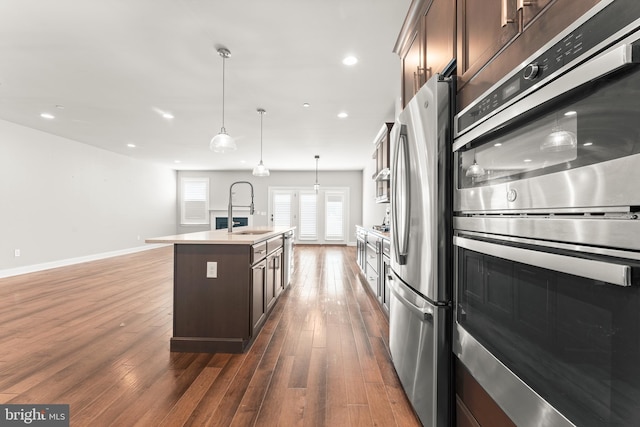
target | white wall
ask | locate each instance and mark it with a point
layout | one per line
(220, 181)
(64, 200)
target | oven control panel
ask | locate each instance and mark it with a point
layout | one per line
(573, 46)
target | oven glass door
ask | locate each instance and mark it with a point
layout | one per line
(595, 123)
(575, 340)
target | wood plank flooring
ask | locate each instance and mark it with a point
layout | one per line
(96, 336)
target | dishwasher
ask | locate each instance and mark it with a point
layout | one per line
(289, 236)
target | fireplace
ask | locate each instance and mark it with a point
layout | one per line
(238, 221)
(218, 218)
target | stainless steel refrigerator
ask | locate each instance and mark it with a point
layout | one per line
(420, 315)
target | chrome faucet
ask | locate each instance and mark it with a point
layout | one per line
(230, 212)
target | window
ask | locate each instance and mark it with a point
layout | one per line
(308, 216)
(194, 206)
(282, 209)
(334, 216)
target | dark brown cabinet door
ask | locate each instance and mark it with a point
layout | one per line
(277, 273)
(488, 51)
(440, 35)
(484, 27)
(383, 161)
(270, 295)
(258, 311)
(530, 9)
(413, 67)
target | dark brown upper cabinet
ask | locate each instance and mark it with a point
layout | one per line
(426, 43)
(382, 157)
(495, 36)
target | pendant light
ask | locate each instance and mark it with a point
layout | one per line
(316, 186)
(475, 170)
(261, 169)
(222, 142)
(559, 139)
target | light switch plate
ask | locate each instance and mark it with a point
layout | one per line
(212, 270)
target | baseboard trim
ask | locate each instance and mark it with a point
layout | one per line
(9, 272)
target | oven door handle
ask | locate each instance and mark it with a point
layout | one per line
(617, 274)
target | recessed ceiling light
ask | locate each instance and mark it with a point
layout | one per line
(586, 144)
(47, 116)
(306, 105)
(350, 60)
(343, 115)
(498, 144)
(570, 113)
(176, 161)
(131, 145)
(60, 107)
(243, 161)
(167, 115)
(527, 160)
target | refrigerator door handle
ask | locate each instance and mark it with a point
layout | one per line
(424, 314)
(401, 173)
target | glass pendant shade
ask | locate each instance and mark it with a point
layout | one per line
(559, 140)
(222, 142)
(475, 170)
(261, 169)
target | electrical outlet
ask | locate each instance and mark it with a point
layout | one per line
(16, 252)
(212, 270)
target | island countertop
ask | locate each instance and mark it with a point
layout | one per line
(240, 236)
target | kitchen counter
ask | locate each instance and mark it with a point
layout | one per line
(381, 234)
(239, 236)
(224, 286)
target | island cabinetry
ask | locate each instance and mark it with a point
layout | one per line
(258, 286)
(224, 285)
(211, 314)
(274, 271)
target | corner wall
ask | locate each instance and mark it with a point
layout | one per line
(63, 200)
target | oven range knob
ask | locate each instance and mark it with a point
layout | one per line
(512, 195)
(531, 71)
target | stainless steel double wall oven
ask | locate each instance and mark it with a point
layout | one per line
(547, 229)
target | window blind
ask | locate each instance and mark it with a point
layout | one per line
(195, 201)
(334, 218)
(282, 209)
(308, 215)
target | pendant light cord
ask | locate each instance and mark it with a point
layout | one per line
(224, 59)
(261, 114)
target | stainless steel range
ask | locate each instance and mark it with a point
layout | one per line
(547, 229)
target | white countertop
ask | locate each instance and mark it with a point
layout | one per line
(239, 236)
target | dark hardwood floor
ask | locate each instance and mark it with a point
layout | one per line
(96, 336)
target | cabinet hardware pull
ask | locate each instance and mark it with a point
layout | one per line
(522, 3)
(504, 12)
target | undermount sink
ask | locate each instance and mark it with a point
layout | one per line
(253, 232)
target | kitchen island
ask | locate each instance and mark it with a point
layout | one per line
(224, 286)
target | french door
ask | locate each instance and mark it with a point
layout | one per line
(321, 217)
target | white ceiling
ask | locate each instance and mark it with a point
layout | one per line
(115, 65)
